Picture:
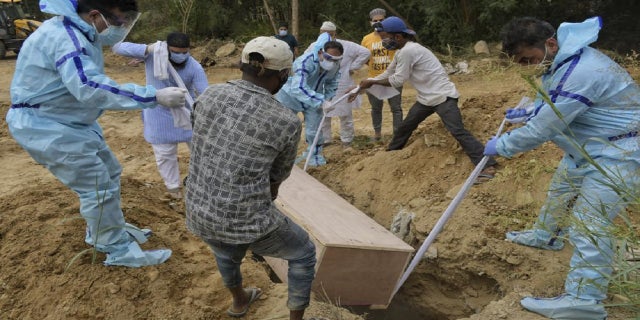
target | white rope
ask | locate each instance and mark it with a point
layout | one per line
(445, 216)
(319, 130)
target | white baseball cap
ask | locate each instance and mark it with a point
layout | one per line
(277, 54)
(328, 26)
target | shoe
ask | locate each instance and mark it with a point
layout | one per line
(131, 255)
(536, 238)
(317, 160)
(346, 146)
(253, 294)
(485, 175)
(566, 307)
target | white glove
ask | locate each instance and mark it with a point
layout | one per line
(171, 97)
(327, 107)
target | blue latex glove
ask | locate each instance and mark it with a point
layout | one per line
(516, 115)
(521, 112)
(490, 147)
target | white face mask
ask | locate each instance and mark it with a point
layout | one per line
(282, 33)
(327, 65)
(544, 63)
(543, 66)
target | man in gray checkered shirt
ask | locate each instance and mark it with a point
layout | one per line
(244, 145)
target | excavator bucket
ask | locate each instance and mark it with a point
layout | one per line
(15, 26)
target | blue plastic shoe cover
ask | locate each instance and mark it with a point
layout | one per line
(131, 255)
(566, 307)
(536, 238)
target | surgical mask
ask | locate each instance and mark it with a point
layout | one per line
(179, 58)
(542, 67)
(544, 64)
(112, 34)
(327, 65)
(283, 33)
(389, 43)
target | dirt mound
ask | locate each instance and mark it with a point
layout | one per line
(48, 273)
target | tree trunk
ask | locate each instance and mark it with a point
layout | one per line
(294, 18)
(273, 23)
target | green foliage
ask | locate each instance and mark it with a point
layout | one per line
(443, 25)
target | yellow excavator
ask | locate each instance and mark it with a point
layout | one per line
(15, 26)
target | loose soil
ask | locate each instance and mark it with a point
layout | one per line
(472, 272)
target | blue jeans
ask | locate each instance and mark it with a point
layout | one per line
(289, 242)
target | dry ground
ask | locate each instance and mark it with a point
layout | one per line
(476, 273)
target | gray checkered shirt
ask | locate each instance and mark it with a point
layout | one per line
(243, 140)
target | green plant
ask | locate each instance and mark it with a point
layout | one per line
(93, 250)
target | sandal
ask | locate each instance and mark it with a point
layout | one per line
(253, 294)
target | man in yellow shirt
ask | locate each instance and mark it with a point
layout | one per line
(380, 59)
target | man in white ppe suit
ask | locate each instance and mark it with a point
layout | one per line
(596, 107)
(313, 83)
(58, 91)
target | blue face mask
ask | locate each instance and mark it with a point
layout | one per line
(112, 35)
(282, 33)
(179, 57)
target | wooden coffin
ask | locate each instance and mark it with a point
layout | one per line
(359, 261)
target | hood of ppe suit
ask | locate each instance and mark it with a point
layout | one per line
(68, 9)
(574, 36)
(320, 42)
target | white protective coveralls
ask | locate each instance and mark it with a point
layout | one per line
(598, 106)
(58, 91)
(306, 90)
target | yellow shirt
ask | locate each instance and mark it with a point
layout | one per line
(380, 57)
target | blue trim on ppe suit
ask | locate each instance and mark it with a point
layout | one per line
(597, 100)
(58, 91)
